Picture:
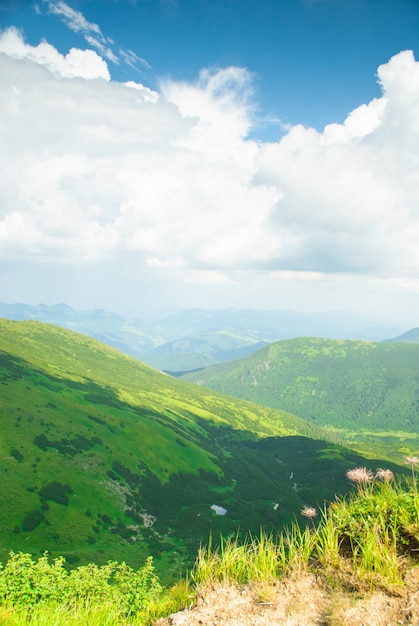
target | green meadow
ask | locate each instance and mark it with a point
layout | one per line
(103, 457)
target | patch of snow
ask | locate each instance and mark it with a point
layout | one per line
(219, 510)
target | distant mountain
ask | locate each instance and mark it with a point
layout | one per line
(367, 388)
(132, 336)
(197, 338)
(269, 326)
(103, 457)
(203, 349)
(411, 336)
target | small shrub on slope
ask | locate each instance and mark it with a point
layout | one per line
(29, 585)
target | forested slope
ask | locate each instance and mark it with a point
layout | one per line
(353, 386)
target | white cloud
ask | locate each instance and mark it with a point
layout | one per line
(74, 19)
(359, 123)
(76, 63)
(349, 193)
(147, 95)
(92, 33)
(219, 106)
(79, 24)
(133, 60)
(94, 169)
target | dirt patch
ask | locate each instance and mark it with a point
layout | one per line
(303, 600)
(292, 603)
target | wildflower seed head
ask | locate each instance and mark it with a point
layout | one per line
(360, 475)
(309, 512)
(412, 460)
(384, 474)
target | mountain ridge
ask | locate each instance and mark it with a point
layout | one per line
(411, 335)
(103, 457)
(197, 338)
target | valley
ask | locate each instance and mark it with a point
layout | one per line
(103, 457)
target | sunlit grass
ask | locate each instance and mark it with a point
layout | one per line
(369, 537)
(44, 593)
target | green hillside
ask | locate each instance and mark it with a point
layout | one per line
(366, 391)
(102, 457)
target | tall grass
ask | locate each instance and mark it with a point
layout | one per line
(255, 560)
(105, 614)
(367, 537)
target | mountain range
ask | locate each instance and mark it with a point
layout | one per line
(196, 338)
(103, 457)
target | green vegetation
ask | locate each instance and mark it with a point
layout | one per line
(366, 393)
(44, 592)
(366, 540)
(103, 458)
(369, 538)
(110, 471)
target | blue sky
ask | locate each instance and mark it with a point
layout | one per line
(179, 153)
(313, 61)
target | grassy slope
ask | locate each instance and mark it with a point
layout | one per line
(367, 391)
(103, 457)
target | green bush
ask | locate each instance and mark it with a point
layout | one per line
(26, 584)
(33, 519)
(55, 491)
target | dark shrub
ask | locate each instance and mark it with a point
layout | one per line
(16, 455)
(41, 441)
(56, 492)
(33, 519)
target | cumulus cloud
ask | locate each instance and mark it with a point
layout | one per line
(348, 194)
(94, 170)
(76, 63)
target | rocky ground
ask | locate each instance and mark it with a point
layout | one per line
(301, 601)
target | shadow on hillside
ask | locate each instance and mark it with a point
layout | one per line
(261, 483)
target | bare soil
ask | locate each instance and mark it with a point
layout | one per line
(303, 600)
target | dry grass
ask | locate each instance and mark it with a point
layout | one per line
(300, 600)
